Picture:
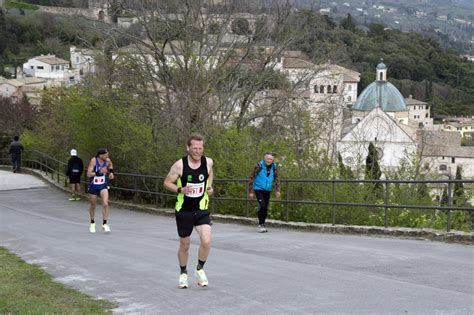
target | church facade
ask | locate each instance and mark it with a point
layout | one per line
(401, 129)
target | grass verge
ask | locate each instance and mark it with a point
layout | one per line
(20, 5)
(26, 289)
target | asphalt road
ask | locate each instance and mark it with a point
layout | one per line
(280, 272)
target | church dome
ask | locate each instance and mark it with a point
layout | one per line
(381, 65)
(381, 94)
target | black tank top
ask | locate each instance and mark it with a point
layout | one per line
(196, 178)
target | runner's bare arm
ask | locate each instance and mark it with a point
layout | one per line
(175, 172)
(90, 168)
(111, 167)
(210, 189)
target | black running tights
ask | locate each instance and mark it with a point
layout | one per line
(263, 198)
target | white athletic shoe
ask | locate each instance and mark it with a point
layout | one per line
(261, 228)
(183, 281)
(92, 228)
(202, 279)
(106, 228)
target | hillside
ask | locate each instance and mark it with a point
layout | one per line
(418, 65)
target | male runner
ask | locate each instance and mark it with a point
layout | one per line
(100, 171)
(191, 178)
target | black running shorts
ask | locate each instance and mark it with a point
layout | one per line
(186, 220)
(95, 191)
(74, 179)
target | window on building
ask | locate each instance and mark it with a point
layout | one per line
(329, 89)
(443, 167)
(349, 87)
(381, 76)
(77, 59)
(453, 160)
(321, 89)
(57, 67)
(334, 88)
(32, 67)
(40, 67)
(349, 98)
(427, 115)
(316, 90)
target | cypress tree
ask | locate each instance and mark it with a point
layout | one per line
(459, 196)
(372, 168)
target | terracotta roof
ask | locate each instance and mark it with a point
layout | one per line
(411, 101)
(296, 63)
(13, 82)
(51, 60)
(32, 80)
(442, 143)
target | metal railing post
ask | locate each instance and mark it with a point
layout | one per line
(156, 191)
(385, 202)
(287, 205)
(333, 201)
(247, 204)
(450, 203)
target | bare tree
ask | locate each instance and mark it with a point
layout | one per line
(185, 67)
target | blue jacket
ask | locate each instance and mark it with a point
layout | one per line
(264, 181)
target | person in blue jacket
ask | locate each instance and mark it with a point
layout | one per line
(263, 178)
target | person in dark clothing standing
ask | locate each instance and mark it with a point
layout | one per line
(16, 148)
(261, 181)
(191, 178)
(75, 167)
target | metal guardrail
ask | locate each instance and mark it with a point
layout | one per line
(149, 189)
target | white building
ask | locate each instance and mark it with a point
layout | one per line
(48, 67)
(11, 88)
(30, 87)
(443, 152)
(82, 59)
(462, 125)
(419, 113)
(321, 83)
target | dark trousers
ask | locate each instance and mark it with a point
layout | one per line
(16, 162)
(263, 198)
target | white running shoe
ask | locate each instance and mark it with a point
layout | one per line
(202, 279)
(106, 228)
(92, 228)
(183, 281)
(261, 229)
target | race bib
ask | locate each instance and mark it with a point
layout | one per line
(198, 190)
(75, 170)
(98, 180)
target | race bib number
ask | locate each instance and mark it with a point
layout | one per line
(98, 180)
(75, 170)
(198, 190)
